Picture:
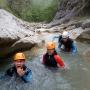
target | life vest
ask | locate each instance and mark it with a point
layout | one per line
(49, 60)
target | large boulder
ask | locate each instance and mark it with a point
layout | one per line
(86, 24)
(14, 34)
(84, 37)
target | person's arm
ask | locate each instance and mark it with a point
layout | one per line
(55, 37)
(9, 72)
(74, 48)
(27, 77)
(43, 59)
(59, 41)
(59, 61)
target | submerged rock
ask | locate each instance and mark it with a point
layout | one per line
(14, 35)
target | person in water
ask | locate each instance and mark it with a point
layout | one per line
(66, 44)
(51, 58)
(19, 68)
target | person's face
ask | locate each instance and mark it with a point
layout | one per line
(19, 63)
(50, 51)
(65, 39)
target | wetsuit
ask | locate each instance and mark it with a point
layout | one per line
(69, 45)
(26, 77)
(52, 60)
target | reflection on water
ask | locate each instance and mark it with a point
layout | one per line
(77, 77)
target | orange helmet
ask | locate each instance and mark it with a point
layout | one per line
(18, 56)
(50, 45)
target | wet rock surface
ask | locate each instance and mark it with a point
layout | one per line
(15, 34)
(68, 9)
(84, 37)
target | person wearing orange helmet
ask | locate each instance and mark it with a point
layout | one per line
(51, 58)
(19, 69)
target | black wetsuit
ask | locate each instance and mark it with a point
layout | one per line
(26, 77)
(68, 45)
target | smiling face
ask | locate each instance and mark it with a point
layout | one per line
(19, 63)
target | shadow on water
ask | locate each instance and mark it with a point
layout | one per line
(76, 77)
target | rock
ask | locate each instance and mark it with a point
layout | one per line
(71, 27)
(86, 24)
(87, 54)
(74, 33)
(25, 43)
(68, 9)
(84, 37)
(14, 35)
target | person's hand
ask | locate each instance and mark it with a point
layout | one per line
(65, 68)
(62, 67)
(73, 53)
(20, 71)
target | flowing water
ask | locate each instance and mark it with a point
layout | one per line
(75, 77)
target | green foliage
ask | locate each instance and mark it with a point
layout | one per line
(3, 4)
(34, 10)
(38, 14)
(31, 10)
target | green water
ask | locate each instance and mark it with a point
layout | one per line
(76, 77)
